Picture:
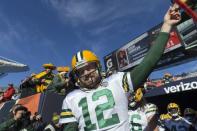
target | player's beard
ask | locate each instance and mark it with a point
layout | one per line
(93, 82)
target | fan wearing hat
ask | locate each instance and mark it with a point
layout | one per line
(45, 77)
(49, 71)
(168, 78)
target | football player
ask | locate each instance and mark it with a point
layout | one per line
(142, 115)
(176, 122)
(102, 104)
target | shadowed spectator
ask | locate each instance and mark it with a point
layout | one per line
(60, 81)
(191, 116)
(28, 86)
(20, 120)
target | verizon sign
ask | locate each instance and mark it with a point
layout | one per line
(181, 87)
(185, 85)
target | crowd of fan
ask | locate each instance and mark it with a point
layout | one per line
(167, 78)
(37, 83)
(20, 118)
(61, 83)
(46, 80)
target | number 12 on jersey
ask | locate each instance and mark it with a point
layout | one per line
(102, 123)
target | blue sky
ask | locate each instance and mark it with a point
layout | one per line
(34, 32)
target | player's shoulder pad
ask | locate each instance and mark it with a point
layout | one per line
(74, 93)
(150, 105)
(114, 76)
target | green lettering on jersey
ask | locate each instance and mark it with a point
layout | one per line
(134, 125)
(105, 106)
(102, 123)
(86, 115)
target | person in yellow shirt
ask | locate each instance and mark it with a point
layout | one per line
(45, 77)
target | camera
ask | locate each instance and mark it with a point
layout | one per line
(26, 115)
(24, 120)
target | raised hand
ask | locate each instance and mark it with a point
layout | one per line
(173, 15)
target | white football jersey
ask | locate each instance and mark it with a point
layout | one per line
(104, 108)
(138, 118)
(179, 124)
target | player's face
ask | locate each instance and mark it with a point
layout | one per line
(174, 112)
(121, 55)
(190, 117)
(89, 76)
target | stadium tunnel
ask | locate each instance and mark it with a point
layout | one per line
(185, 99)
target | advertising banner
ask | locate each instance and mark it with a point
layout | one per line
(133, 52)
(182, 37)
(188, 33)
(110, 62)
(174, 87)
(31, 102)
